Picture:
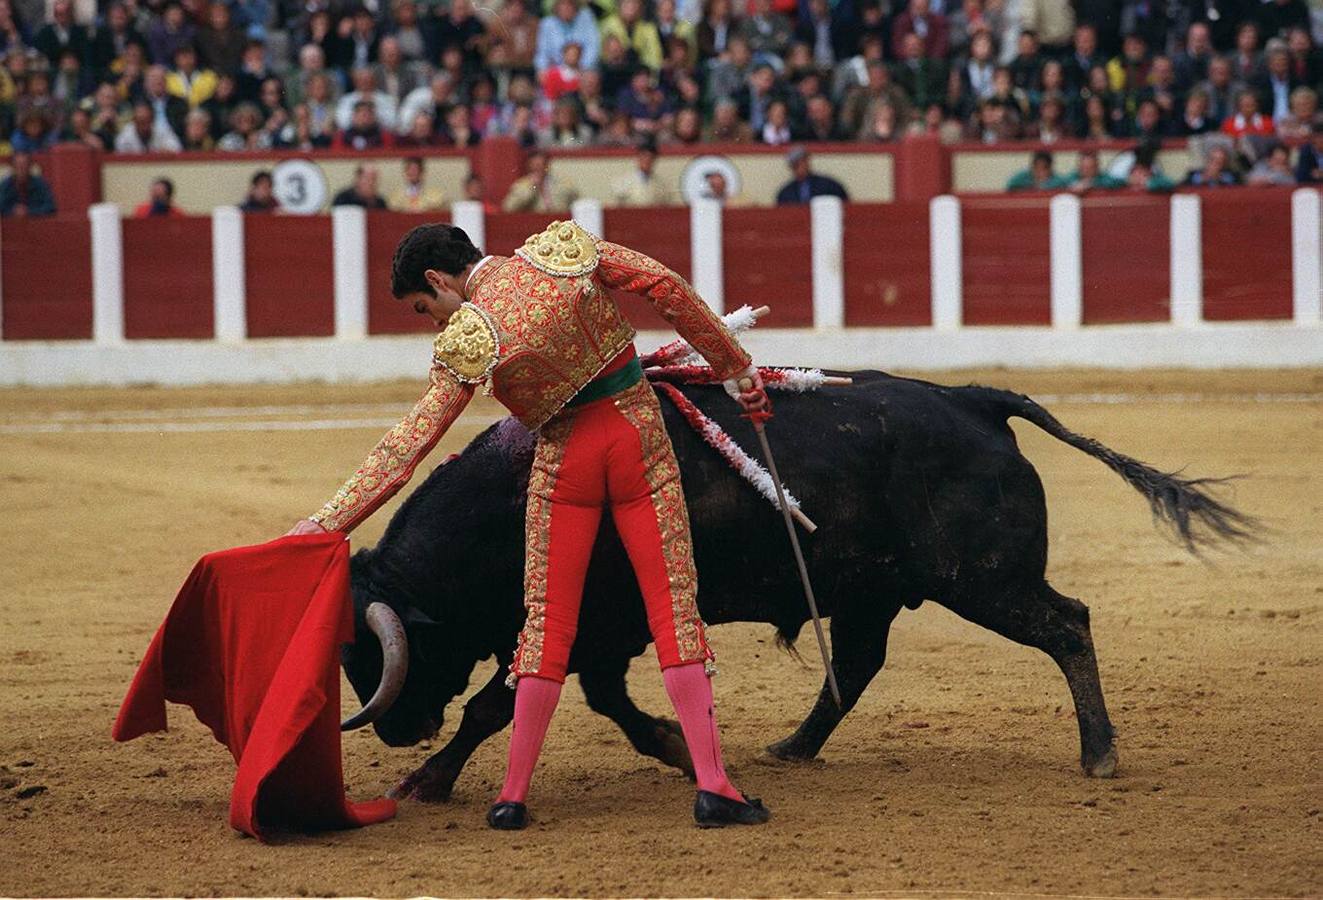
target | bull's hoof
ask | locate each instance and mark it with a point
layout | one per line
(425, 786)
(674, 752)
(1102, 767)
(789, 750)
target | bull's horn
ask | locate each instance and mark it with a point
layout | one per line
(394, 665)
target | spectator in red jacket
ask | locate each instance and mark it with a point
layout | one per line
(1247, 119)
(931, 27)
(160, 201)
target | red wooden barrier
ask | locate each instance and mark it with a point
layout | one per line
(290, 276)
(1247, 254)
(386, 315)
(768, 260)
(506, 232)
(888, 270)
(168, 290)
(47, 266)
(1007, 263)
(663, 234)
(1126, 244)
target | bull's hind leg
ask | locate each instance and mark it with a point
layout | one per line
(1059, 626)
(858, 650)
(604, 688)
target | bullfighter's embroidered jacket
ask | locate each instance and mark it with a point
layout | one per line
(538, 326)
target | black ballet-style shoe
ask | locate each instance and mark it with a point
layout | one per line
(508, 816)
(715, 811)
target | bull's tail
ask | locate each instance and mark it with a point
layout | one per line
(1184, 505)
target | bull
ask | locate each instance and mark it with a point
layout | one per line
(921, 492)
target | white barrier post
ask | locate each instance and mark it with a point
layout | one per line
(827, 232)
(1187, 261)
(107, 274)
(588, 213)
(228, 276)
(705, 250)
(469, 215)
(1305, 247)
(349, 242)
(1066, 247)
(944, 252)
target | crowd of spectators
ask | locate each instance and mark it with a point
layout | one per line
(138, 76)
(148, 76)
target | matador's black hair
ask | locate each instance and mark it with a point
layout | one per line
(441, 247)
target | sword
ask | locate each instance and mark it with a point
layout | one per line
(746, 385)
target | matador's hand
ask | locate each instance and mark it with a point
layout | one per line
(305, 526)
(749, 392)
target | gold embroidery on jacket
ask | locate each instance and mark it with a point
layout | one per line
(562, 248)
(468, 346)
(547, 461)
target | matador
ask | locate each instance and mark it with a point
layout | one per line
(541, 332)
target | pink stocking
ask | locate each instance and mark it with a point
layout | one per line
(535, 701)
(691, 695)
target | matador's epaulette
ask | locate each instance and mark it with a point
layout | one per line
(562, 249)
(469, 345)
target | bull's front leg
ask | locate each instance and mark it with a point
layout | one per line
(604, 689)
(487, 712)
(858, 650)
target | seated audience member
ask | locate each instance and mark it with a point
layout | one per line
(1051, 125)
(776, 125)
(1300, 123)
(365, 91)
(79, 130)
(24, 193)
(363, 192)
(642, 187)
(687, 129)
(459, 131)
(261, 194)
(364, 132)
(564, 77)
(1089, 176)
(246, 132)
(637, 33)
(565, 129)
(569, 23)
(145, 134)
(423, 134)
(475, 191)
(197, 132)
(538, 190)
(805, 184)
(1143, 178)
(885, 127)
(1247, 119)
(1040, 175)
(36, 132)
(160, 201)
(1273, 169)
(1216, 171)
(1309, 162)
(415, 195)
(1195, 119)
(715, 187)
(727, 127)
(187, 82)
(432, 98)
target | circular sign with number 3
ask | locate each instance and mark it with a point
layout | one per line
(299, 185)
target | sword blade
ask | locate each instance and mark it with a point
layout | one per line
(799, 560)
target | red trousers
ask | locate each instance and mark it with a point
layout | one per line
(614, 454)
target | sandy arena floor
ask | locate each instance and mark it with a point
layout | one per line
(957, 773)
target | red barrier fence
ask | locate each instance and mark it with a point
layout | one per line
(167, 278)
(47, 270)
(885, 276)
(290, 276)
(1007, 265)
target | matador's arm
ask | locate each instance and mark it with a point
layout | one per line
(391, 463)
(677, 302)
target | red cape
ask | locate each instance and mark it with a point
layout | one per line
(252, 645)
